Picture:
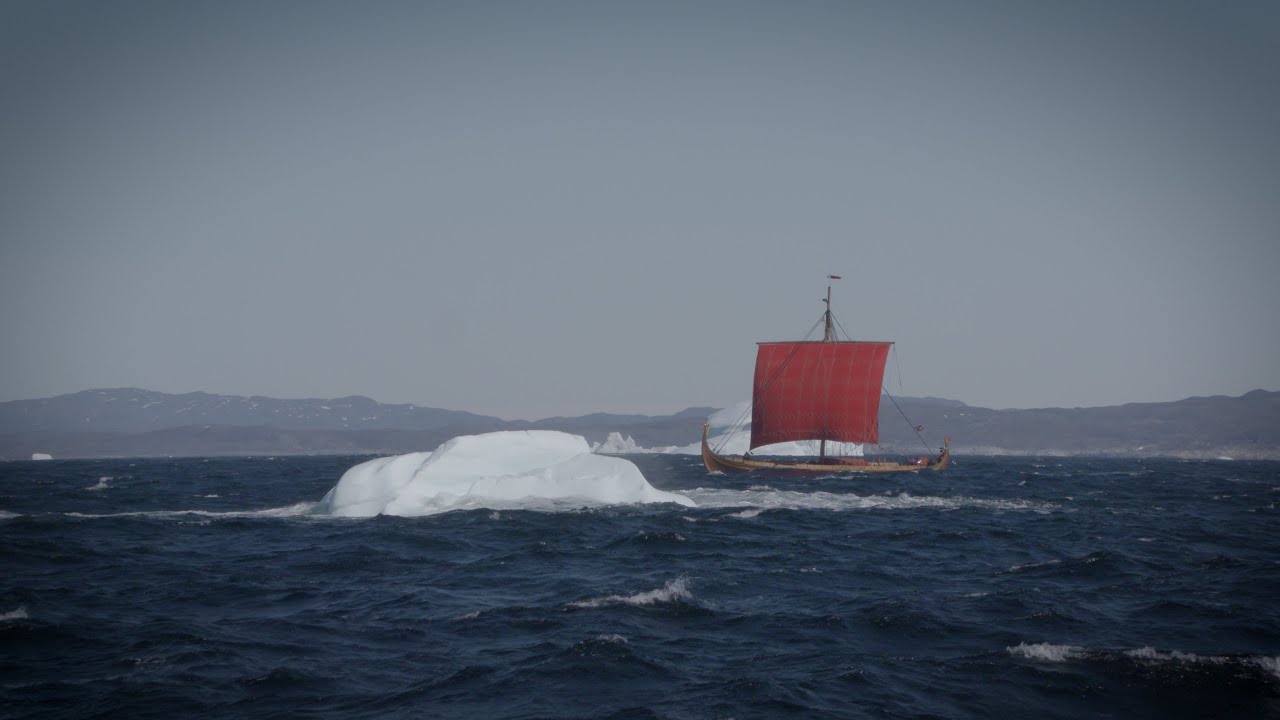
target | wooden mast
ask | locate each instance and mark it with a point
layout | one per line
(827, 336)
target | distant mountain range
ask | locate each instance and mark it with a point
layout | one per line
(129, 422)
(130, 410)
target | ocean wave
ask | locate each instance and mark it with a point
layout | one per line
(1033, 566)
(645, 537)
(1048, 652)
(676, 590)
(749, 503)
(19, 614)
(1151, 655)
(295, 510)
(767, 498)
(1270, 664)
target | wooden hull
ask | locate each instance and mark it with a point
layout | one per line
(737, 463)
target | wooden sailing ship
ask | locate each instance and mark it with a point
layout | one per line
(827, 390)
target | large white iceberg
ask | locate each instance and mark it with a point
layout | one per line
(514, 469)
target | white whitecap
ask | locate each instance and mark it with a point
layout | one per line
(295, 510)
(1046, 652)
(676, 589)
(19, 614)
(1150, 653)
(766, 498)
(1270, 664)
(1034, 566)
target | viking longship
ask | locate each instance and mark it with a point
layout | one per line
(825, 390)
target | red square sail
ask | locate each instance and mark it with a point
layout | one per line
(818, 391)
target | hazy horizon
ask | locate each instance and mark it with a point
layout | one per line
(529, 210)
(622, 411)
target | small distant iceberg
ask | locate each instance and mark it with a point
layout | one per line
(41, 456)
(616, 444)
(501, 470)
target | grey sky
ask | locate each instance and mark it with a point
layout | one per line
(529, 209)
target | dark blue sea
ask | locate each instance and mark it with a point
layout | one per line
(1033, 587)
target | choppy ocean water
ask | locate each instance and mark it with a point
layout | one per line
(1001, 588)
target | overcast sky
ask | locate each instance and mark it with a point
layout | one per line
(538, 208)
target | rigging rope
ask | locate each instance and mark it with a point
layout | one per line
(898, 364)
(904, 417)
(836, 320)
(886, 390)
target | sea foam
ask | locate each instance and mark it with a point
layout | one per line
(19, 614)
(287, 511)
(536, 469)
(767, 498)
(677, 589)
(1046, 652)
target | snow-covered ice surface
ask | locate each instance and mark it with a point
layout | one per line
(536, 469)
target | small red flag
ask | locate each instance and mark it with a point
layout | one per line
(834, 277)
